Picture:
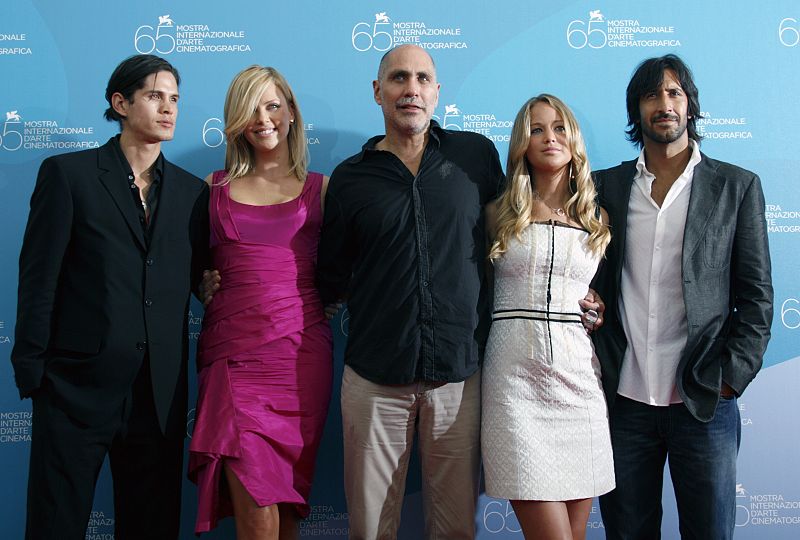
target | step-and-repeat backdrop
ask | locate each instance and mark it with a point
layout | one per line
(56, 57)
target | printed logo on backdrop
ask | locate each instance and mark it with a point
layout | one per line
(744, 416)
(21, 132)
(4, 339)
(789, 32)
(344, 322)
(765, 509)
(723, 127)
(12, 44)
(483, 122)
(190, 422)
(214, 135)
(15, 426)
(167, 37)
(383, 33)
(790, 313)
(499, 517)
(195, 324)
(598, 31)
(100, 527)
(595, 520)
(325, 520)
(782, 220)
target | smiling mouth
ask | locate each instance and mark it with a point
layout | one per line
(263, 132)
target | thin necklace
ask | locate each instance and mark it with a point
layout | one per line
(557, 211)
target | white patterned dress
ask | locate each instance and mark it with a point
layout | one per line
(544, 427)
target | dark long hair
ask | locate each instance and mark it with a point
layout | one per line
(649, 76)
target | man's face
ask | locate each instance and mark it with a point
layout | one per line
(151, 113)
(664, 111)
(407, 91)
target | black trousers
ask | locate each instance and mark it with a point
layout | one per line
(66, 458)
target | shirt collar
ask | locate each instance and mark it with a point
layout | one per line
(158, 166)
(641, 166)
(435, 133)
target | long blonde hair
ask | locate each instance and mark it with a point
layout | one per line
(241, 103)
(515, 204)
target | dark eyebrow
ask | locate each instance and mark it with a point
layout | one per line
(396, 72)
(162, 93)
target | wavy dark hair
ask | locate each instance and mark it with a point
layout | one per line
(648, 77)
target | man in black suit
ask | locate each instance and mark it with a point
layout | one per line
(688, 314)
(116, 237)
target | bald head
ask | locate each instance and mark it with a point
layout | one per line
(386, 58)
(406, 90)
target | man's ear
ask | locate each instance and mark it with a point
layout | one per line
(120, 104)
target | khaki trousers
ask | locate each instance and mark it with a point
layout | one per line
(379, 423)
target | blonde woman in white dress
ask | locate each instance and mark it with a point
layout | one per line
(545, 437)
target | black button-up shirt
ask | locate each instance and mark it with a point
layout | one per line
(408, 253)
(152, 194)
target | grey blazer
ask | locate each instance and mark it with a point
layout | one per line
(727, 284)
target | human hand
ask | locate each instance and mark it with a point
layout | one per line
(593, 308)
(332, 309)
(726, 392)
(209, 285)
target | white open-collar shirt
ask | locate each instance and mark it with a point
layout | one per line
(651, 305)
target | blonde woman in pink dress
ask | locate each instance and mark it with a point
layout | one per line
(265, 351)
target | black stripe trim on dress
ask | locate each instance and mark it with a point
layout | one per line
(534, 311)
(551, 317)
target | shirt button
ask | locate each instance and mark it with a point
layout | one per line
(148, 302)
(130, 177)
(424, 283)
(149, 262)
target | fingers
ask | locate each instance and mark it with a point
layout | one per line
(591, 320)
(210, 285)
(332, 309)
(597, 303)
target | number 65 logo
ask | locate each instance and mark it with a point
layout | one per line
(594, 37)
(8, 135)
(788, 32)
(145, 41)
(790, 314)
(373, 37)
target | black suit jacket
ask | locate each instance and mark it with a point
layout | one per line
(727, 284)
(95, 297)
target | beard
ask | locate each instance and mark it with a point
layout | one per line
(661, 135)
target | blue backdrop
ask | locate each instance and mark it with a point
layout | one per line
(55, 59)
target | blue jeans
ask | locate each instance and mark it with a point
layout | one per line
(702, 465)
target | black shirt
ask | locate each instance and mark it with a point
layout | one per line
(410, 251)
(152, 194)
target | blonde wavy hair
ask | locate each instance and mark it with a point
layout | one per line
(241, 103)
(515, 204)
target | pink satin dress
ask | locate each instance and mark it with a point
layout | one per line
(264, 357)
